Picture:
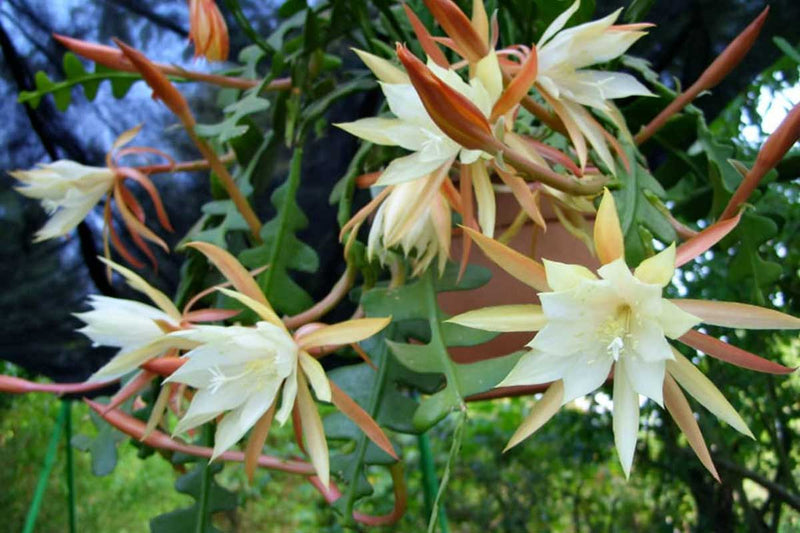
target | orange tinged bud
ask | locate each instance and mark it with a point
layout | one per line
(455, 115)
(456, 24)
(776, 146)
(207, 30)
(162, 87)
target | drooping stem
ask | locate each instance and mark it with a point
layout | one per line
(338, 292)
(239, 200)
(454, 449)
(205, 485)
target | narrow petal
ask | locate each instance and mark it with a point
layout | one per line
(235, 424)
(410, 167)
(558, 23)
(704, 391)
(542, 411)
(535, 368)
(289, 396)
(487, 70)
(137, 282)
(316, 377)
(343, 332)
(313, 432)
(563, 276)
(679, 408)
(658, 269)
(647, 377)
(384, 70)
(521, 267)
(518, 88)
(484, 196)
(736, 315)
(585, 375)
(256, 440)
(386, 132)
(626, 417)
(675, 321)
(503, 318)
(264, 311)
(704, 240)
(231, 269)
(731, 354)
(127, 362)
(608, 238)
(361, 418)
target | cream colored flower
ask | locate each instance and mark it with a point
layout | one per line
(67, 190)
(618, 322)
(567, 84)
(413, 128)
(415, 217)
(137, 329)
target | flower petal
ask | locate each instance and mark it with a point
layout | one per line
(316, 377)
(585, 375)
(542, 411)
(263, 310)
(704, 240)
(535, 368)
(704, 391)
(384, 70)
(657, 270)
(343, 332)
(361, 418)
(647, 377)
(558, 23)
(731, 354)
(521, 317)
(484, 196)
(386, 132)
(608, 238)
(563, 276)
(679, 408)
(313, 432)
(411, 167)
(236, 423)
(521, 267)
(626, 417)
(674, 320)
(736, 315)
(231, 269)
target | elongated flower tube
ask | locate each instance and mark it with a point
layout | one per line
(414, 128)
(567, 85)
(207, 30)
(137, 329)
(67, 190)
(591, 325)
(239, 372)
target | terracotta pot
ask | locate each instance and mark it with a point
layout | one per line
(556, 244)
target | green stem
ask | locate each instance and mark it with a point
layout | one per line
(372, 408)
(67, 406)
(429, 482)
(284, 212)
(437, 335)
(49, 461)
(454, 448)
(205, 486)
(236, 10)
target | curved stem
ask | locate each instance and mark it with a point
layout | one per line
(229, 184)
(338, 292)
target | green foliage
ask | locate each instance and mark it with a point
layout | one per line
(199, 484)
(282, 250)
(102, 447)
(76, 75)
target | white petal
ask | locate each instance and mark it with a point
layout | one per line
(675, 321)
(585, 374)
(207, 405)
(564, 338)
(409, 168)
(488, 72)
(386, 132)
(288, 397)
(236, 423)
(657, 270)
(649, 341)
(563, 276)
(535, 368)
(647, 377)
(558, 23)
(626, 418)
(316, 377)
(405, 103)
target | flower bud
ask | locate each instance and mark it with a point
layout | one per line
(207, 30)
(456, 24)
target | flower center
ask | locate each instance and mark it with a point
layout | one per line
(615, 332)
(256, 368)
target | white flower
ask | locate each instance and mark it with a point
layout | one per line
(413, 129)
(596, 323)
(137, 329)
(67, 190)
(567, 85)
(239, 371)
(416, 217)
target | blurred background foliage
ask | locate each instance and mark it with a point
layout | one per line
(567, 477)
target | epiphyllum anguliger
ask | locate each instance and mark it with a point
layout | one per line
(590, 325)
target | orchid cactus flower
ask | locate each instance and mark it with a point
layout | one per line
(413, 128)
(67, 190)
(567, 85)
(239, 371)
(617, 322)
(139, 330)
(207, 30)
